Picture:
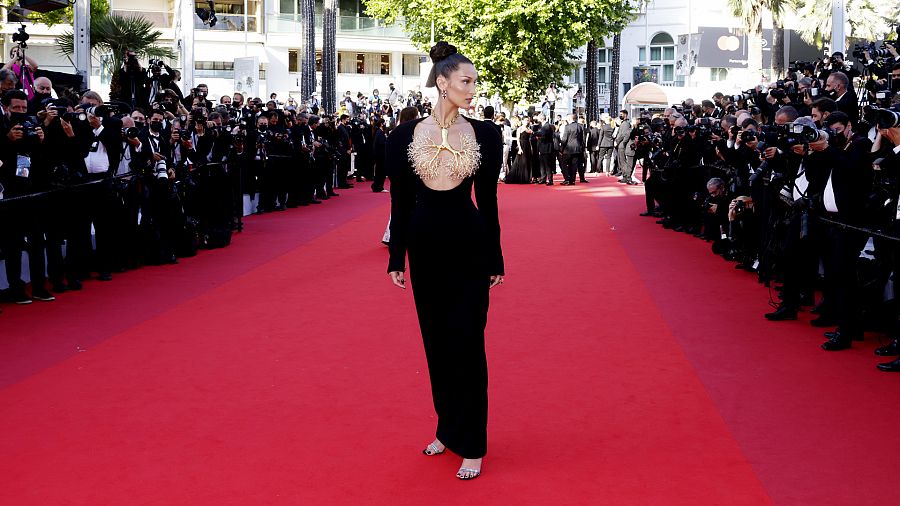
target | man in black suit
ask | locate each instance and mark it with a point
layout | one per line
(606, 152)
(546, 151)
(890, 164)
(838, 86)
(593, 145)
(572, 147)
(843, 198)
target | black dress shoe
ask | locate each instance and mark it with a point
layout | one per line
(104, 276)
(782, 313)
(830, 335)
(549, 183)
(584, 180)
(332, 194)
(648, 213)
(74, 285)
(836, 343)
(823, 321)
(890, 366)
(314, 201)
(891, 350)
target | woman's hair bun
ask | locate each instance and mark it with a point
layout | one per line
(441, 50)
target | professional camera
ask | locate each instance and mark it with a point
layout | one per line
(130, 132)
(21, 37)
(885, 118)
(875, 49)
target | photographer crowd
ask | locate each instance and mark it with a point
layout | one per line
(797, 182)
(92, 187)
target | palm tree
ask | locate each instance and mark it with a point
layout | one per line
(113, 35)
(308, 58)
(750, 14)
(777, 8)
(867, 19)
(591, 90)
(614, 74)
(329, 56)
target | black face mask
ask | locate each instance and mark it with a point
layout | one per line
(139, 125)
(156, 126)
(895, 85)
(262, 128)
(839, 140)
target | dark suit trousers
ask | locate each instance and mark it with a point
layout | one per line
(841, 283)
(571, 164)
(548, 166)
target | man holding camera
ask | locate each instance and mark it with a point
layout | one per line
(22, 172)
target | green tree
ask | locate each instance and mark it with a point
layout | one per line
(113, 35)
(62, 16)
(866, 19)
(518, 46)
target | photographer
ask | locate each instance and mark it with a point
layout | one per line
(888, 166)
(21, 173)
(837, 86)
(843, 200)
(301, 180)
(132, 83)
(63, 158)
(99, 142)
(23, 67)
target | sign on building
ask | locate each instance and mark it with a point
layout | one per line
(246, 76)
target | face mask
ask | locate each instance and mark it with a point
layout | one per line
(895, 84)
(139, 125)
(262, 128)
(156, 126)
(839, 140)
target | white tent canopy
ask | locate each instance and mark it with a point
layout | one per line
(647, 94)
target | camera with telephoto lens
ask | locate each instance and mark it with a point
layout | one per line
(130, 132)
(21, 37)
(875, 49)
(885, 118)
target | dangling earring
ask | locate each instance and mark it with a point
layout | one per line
(443, 93)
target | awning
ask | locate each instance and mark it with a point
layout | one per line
(646, 94)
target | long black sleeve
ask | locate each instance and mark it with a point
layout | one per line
(486, 198)
(403, 196)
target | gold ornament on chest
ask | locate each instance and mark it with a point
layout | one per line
(427, 163)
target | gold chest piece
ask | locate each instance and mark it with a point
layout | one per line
(425, 156)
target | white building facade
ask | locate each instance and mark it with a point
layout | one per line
(691, 47)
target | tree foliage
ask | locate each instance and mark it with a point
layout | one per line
(518, 46)
(113, 35)
(866, 19)
(62, 16)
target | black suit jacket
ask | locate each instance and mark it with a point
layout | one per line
(545, 139)
(849, 104)
(572, 139)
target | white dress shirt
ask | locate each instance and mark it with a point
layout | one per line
(97, 161)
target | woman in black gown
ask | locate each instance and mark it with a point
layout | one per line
(454, 248)
(520, 172)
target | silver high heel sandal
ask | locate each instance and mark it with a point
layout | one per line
(432, 450)
(467, 473)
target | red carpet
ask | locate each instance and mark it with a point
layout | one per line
(287, 370)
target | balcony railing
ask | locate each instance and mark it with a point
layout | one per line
(228, 23)
(159, 18)
(346, 25)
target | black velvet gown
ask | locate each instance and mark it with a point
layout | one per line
(453, 249)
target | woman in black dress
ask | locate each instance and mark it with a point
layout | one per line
(454, 248)
(520, 171)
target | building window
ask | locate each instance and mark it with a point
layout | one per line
(293, 60)
(662, 56)
(603, 61)
(350, 62)
(230, 15)
(412, 64)
(718, 74)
